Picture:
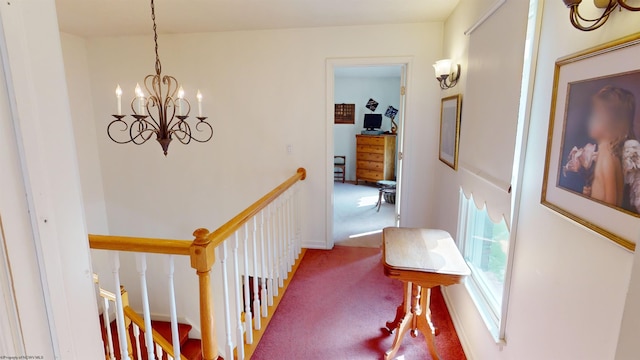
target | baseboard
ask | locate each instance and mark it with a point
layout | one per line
(457, 324)
(322, 245)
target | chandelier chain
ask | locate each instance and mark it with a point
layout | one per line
(155, 38)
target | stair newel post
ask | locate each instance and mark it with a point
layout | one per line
(127, 321)
(202, 254)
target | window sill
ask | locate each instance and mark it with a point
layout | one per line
(481, 305)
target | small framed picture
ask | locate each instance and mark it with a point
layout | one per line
(592, 166)
(450, 130)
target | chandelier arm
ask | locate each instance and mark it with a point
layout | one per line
(605, 14)
(139, 138)
(154, 122)
(597, 23)
(118, 121)
(178, 128)
(183, 132)
(628, 7)
(208, 129)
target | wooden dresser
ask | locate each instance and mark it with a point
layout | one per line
(375, 157)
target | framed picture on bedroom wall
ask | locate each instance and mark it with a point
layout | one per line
(592, 165)
(450, 130)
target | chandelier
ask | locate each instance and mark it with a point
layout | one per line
(608, 6)
(163, 112)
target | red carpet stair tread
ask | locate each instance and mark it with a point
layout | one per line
(336, 307)
(190, 348)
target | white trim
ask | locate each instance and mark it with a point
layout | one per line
(44, 135)
(457, 324)
(492, 10)
(317, 244)
(331, 64)
(520, 154)
(13, 47)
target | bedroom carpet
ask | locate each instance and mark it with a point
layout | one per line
(356, 222)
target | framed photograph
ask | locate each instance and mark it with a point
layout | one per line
(450, 130)
(345, 113)
(592, 165)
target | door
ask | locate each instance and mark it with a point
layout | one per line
(333, 65)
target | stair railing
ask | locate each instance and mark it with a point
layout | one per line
(134, 322)
(265, 243)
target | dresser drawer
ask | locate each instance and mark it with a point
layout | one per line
(363, 156)
(370, 140)
(369, 174)
(370, 165)
(373, 149)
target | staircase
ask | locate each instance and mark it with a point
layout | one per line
(191, 349)
(258, 251)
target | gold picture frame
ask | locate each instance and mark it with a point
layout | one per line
(450, 111)
(592, 144)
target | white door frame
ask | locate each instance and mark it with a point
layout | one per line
(332, 63)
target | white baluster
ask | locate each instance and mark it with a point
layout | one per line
(136, 334)
(294, 241)
(158, 349)
(172, 307)
(236, 286)
(263, 273)
(282, 243)
(270, 255)
(122, 333)
(287, 217)
(141, 264)
(107, 326)
(247, 295)
(225, 299)
(298, 218)
(256, 297)
(276, 249)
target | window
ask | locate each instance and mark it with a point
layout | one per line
(485, 247)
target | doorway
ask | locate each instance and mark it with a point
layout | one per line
(373, 89)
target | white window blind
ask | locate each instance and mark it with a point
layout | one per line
(491, 106)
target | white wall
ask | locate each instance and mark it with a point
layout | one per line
(263, 90)
(77, 70)
(569, 284)
(358, 91)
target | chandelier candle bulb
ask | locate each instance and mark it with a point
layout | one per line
(140, 97)
(119, 97)
(199, 96)
(179, 101)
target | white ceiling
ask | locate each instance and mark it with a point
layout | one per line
(368, 71)
(132, 17)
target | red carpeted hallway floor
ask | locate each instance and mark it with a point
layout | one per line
(336, 307)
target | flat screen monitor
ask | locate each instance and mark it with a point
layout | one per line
(372, 121)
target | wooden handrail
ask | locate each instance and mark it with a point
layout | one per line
(137, 244)
(157, 338)
(231, 226)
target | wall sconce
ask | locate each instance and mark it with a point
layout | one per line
(446, 74)
(608, 6)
